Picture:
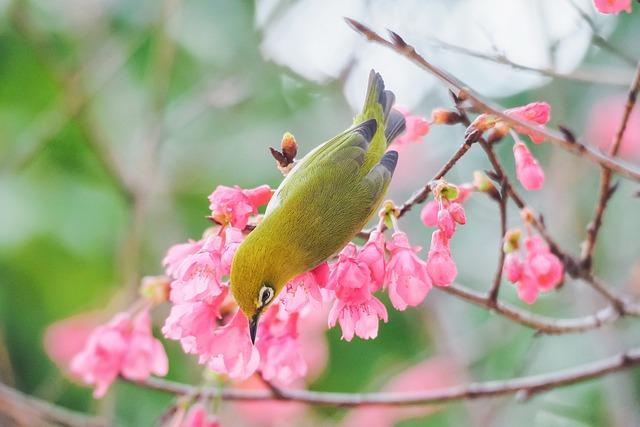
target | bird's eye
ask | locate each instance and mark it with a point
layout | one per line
(266, 294)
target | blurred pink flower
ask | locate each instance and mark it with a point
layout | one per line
(440, 265)
(230, 350)
(280, 355)
(429, 213)
(263, 414)
(234, 206)
(406, 275)
(67, 337)
(528, 170)
(603, 123)
(124, 347)
(612, 6)
(198, 417)
(537, 113)
(540, 271)
(417, 128)
(431, 374)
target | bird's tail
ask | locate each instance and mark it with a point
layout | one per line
(378, 105)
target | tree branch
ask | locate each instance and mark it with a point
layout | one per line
(27, 410)
(606, 189)
(523, 387)
(462, 91)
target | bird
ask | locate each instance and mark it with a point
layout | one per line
(320, 206)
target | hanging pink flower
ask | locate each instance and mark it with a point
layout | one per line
(612, 6)
(406, 276)
(372, 254)
(355, 307)
(440, 265)
(124, 347)
(513, 267)
(230, 349)
(234, 206)
(528, 170)
(280, 352)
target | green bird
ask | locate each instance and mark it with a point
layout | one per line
(322, 203)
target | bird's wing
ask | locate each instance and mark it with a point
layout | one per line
(346, 152)
(377, 180)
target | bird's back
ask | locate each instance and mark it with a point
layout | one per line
(330, 195)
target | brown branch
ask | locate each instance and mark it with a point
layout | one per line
(462, 91)
(27, 410)
(542, 324)
(497, 280)
(606, 189)
(523, 387)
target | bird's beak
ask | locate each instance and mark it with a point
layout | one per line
(253, 327)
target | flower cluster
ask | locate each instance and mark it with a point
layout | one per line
(445, 212)
(528, 170)
(538, 271)
(124, 346)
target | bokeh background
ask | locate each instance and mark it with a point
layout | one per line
(118, 118)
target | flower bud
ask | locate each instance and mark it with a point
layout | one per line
(289, 146)
(527, 215)
(155, 289)
(511, 240)
(443, 190)
(440, 116)
(482, 182)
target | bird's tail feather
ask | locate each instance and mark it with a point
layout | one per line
(378, 104)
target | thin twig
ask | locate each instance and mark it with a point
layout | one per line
(27, 410)
(462, 91)
(502, 205)
(605, 77)
(523, 387)
(542, 324)
(606, 189)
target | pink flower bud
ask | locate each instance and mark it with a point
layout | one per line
(440, 265)
(528, 170)
(457, 213)
(429, 214)
(446, 223)
(537, 113)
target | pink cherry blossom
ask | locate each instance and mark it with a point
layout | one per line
(201, 277)
(280, 354)
(124, 347)
(528, 170)
(540, 271)
(355, 307)
(177, 254)
(234, 206)
(198, 417)
(304, 290)
(604, 120)
(67, 337)
(446, 224)
(192, 323)
(406, 274)
(513, 267)
(545, 266)
(429, 213)
(416, 128)
(537, 113)
(372, 254)
(440, 265)
(230, 349)
(612, 6)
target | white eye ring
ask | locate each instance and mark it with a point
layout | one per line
(265, 296)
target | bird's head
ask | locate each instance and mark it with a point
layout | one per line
(253, 287)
